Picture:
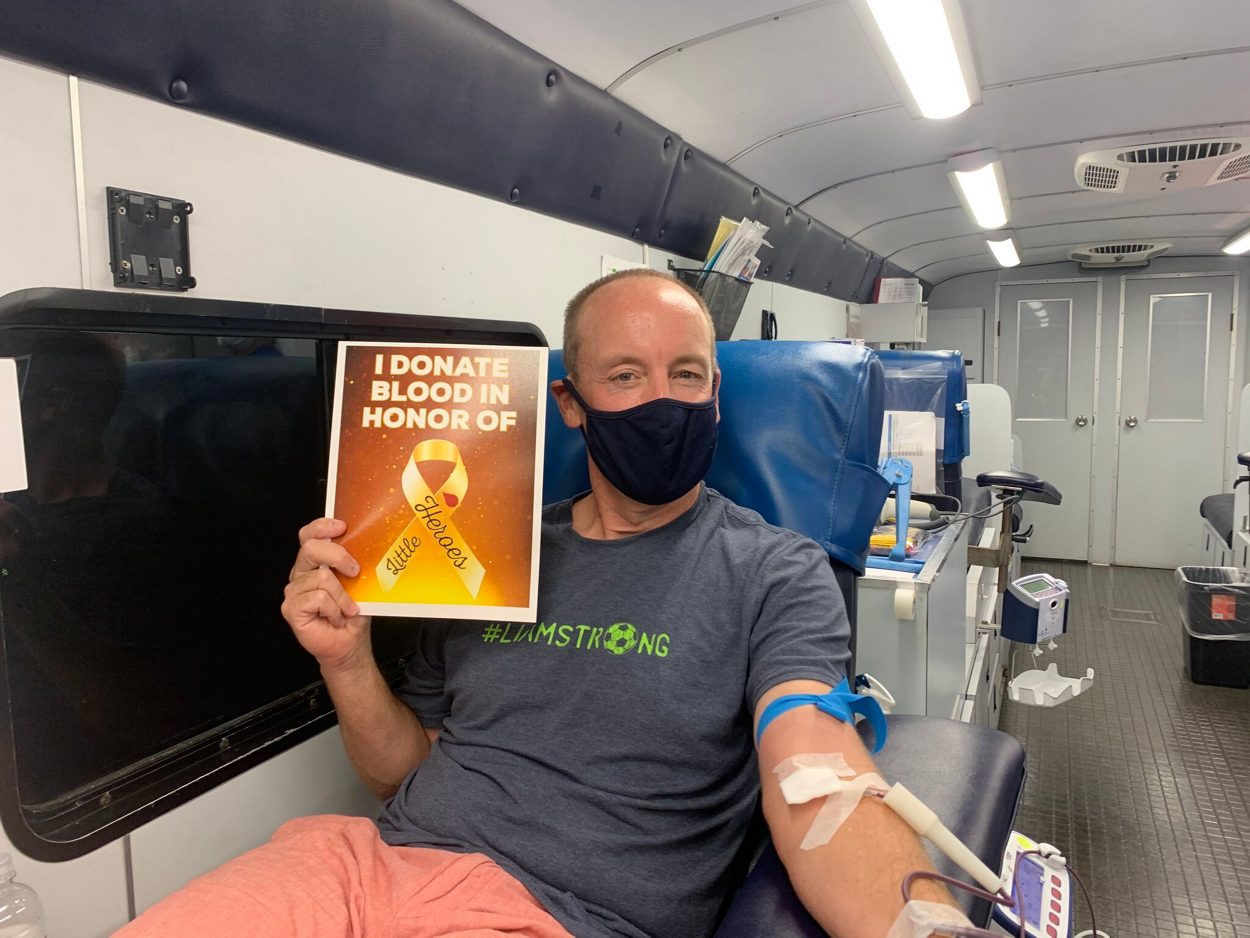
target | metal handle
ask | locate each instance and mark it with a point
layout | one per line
(1082, 420)
(1131, 422)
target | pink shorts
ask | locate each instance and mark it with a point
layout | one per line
(333, 876)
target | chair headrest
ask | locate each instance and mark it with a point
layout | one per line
(798, 442)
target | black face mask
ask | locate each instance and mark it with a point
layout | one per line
(653, 453)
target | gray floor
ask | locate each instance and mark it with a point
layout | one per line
(1143, 781)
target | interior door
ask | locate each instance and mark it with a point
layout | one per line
(1174, 398)
(1047, 335)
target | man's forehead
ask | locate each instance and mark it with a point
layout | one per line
(633, 291)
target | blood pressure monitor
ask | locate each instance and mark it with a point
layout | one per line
(1035, 609)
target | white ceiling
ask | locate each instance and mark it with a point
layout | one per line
(795, 98)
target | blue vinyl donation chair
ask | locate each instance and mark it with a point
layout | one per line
(798, 442)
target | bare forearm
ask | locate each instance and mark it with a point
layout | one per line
(852, 885)
(383, 738)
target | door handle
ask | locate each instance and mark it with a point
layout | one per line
(1082, 420)
(1131, 422)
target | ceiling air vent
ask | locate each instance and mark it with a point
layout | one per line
(1101, 177)
(1236, 168)
(1179, 152)
(1162, 167)
(1118, 253)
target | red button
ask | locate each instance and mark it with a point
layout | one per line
(1056, 894)
(1056, 881)
(1050, 930)
(1054, 905)
(1054, 918)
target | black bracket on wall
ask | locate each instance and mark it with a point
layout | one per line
(149, 246)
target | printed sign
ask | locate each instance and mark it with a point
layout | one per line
(1223, 606)
(435, 465)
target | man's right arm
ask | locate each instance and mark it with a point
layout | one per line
(384, 739)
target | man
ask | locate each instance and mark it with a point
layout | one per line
(611, 784)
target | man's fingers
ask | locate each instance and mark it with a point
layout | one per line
(304, 610)
(330, 611)
(306, 590)
(314, 554)
(322, 529)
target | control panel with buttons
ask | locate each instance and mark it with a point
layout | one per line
(1045, 890)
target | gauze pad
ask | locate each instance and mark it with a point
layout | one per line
(809, 776)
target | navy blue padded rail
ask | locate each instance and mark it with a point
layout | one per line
(805, 253)
(430, 89)
(819, 477)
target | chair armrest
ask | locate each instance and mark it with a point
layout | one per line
(971, 776)
(1030, 486)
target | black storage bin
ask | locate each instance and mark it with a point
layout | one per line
(723, 293)
(1215, 611)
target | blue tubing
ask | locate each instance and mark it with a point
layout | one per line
(906, 566)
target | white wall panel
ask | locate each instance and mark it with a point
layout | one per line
(82, 898)
(39, 236)
(804, 315)
(281, 222)
(313, 778)
(601, 39)
(711, 93)
(1022, 40)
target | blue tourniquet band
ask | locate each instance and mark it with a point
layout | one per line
(841, 702)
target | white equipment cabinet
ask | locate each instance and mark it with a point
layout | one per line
(910, 633)
(881, 323)
(983, 697)
(1239, 555)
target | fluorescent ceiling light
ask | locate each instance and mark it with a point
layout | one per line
(929, 47)
(1004, 251)
(978, 178)
(1239, 244)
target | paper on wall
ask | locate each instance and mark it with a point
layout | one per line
(12, 451)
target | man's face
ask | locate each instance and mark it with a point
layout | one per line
(642, 339)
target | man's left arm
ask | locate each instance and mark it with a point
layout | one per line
(852, 884)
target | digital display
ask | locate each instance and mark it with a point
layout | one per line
(1036, 586)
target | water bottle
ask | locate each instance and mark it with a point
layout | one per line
(21, 915)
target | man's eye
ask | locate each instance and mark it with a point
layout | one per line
(624, 377)
(688, 376)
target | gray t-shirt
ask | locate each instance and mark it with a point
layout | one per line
(603, 756)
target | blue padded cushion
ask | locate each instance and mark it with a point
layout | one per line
(944, 763)
(805, 460)
(896, 361)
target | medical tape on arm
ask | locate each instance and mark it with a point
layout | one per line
(919, 919)
(841, 702)
(808, 776)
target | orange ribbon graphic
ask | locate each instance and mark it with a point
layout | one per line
(432, 527)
